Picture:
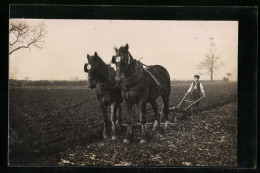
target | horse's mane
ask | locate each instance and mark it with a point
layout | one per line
(99, 60)
(111, 70)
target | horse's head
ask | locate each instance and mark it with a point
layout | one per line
(122, 60)
(93, 68)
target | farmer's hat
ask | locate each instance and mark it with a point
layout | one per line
(197, 76)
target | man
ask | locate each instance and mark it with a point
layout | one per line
(195, 89)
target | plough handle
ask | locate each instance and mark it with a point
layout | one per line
(193, 103)
(182, 100)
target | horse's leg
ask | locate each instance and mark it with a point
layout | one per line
(143, 121)
(129, 132)
(156, 115)
(105, 119)
(166, 110)
(113, 120)
(118, 116)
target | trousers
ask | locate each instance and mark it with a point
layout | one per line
(196, 96)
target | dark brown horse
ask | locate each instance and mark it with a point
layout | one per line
(102, 77)
(141, 86)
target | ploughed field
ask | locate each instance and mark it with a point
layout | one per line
(63, 126)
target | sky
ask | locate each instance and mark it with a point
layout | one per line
(179, 46)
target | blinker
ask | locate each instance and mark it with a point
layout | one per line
(118, 59)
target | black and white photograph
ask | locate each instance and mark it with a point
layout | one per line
(122, 92)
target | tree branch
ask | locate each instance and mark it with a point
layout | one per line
(17, 39)
(210, 63)
(21, 47)
(24, 36)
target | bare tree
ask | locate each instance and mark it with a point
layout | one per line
(210, 63)
(22, 35)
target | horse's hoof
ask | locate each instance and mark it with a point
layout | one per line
(155, 127)
(113, 138)
(144, 138)
(166, 128)
(167, 124)
(143, 141)
(126, 141)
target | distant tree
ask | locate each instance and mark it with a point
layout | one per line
(210, 63)
(22, 35)
(228, 75)
(26, 78)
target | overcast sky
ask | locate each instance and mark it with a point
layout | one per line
(179, 46)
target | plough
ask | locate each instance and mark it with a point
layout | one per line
(176, 110)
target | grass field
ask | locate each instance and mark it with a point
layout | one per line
(63, 126)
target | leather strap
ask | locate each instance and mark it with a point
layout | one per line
(154, 78)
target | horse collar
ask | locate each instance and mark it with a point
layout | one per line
(138, 74)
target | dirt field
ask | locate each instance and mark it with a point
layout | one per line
(63, 126)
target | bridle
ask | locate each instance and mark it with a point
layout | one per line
(138, 74)
(98, 81)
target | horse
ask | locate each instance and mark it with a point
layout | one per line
(140, 86)
(102, 77)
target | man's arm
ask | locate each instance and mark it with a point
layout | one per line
(189, 90)
(202, 90)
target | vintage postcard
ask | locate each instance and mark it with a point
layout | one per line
(92, 92)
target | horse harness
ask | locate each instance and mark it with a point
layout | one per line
(139, 74)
